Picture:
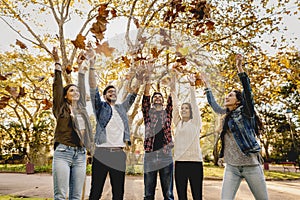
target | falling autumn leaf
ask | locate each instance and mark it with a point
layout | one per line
(21, 44)
(79, 42)
(3, 102)
(12, 91)
(155, 53)
(2, 78)
(126, 61)
(22, 92)
(181, 61)
(210, 25)
(47, 104)
(136, 22)
(104, 48)
(113, 13)
(68, 69)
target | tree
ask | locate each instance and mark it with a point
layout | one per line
(170, 34)
(25, 105)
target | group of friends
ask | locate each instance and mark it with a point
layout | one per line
(177, 157)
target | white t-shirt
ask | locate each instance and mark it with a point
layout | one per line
(114, 131)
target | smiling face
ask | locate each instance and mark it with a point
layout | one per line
(111, 95)
(185, 112)
(231, 102)
(157, 99)
(72, 94)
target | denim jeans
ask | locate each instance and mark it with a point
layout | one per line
(68, 171)
(253, 175)
(162, 163)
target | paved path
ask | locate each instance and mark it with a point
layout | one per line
(40, 185)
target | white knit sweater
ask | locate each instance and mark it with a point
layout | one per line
(187, 143)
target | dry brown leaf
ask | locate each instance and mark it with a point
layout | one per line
(21, 44)
(2, 78)
(105, 49)
(68, 69)
(79, 42)
(3, 102)
(12, 91)
(47, 104)
(22, 92)
(126, 61)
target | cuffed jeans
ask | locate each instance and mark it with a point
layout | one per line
(253, 175)
(68, 171)
(189, 171)
(112, 163)
(162, 163)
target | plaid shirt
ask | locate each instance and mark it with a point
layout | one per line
(151, 119)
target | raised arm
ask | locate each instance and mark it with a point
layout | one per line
(210, 98)
(81, 78)
(247, 91)
(176, 115)
(57, 84)
(195, 109)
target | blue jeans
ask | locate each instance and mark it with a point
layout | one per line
(253, 175)
(68, 171)
(162, 163)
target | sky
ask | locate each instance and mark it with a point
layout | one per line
(117, 27)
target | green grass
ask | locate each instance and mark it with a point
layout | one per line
(7, 197)
(210, 171)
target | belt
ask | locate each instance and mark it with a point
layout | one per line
(112, 149)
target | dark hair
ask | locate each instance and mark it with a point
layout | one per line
(190, 107)
(107, 88)
(155, 93)
(239, 96)
(66, 88)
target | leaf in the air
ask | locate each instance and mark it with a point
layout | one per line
(79, 42)
(21, 44)
(104, 48)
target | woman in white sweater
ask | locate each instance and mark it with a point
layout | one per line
(187, 151)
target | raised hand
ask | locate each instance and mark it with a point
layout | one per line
(55, 55)
(80, 58)
(239, 60)
(192, 79)
(205, 80)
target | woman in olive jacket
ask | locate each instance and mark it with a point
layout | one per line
(73, 133)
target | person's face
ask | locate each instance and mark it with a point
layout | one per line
(158, 99)
(231, 100)
(72, 94)
(111, 95)
(185, 111)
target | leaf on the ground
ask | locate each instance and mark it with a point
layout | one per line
(104, 48)
(79, 42)
(21, 44)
